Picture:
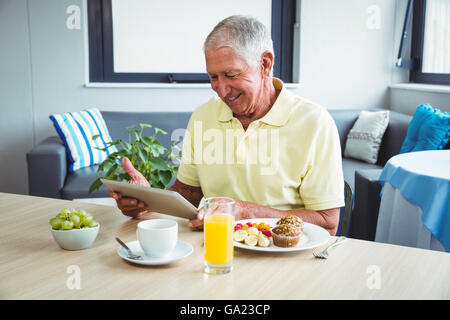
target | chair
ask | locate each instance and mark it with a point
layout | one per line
(346, 212)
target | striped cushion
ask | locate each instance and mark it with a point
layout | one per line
(76, 130)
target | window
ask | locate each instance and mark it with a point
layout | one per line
(161, 41)
(430, 48)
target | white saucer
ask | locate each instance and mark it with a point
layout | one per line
(182, 250)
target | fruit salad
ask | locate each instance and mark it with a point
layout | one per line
(253, 234)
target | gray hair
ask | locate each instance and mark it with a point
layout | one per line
(246, 35)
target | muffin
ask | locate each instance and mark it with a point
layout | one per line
(286, 235)
(294, 220)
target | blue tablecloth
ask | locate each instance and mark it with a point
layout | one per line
(424, 179)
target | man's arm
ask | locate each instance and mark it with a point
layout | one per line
(327, 219)
(192, 194)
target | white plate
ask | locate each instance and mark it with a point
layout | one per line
(182, 250)
(313, 236)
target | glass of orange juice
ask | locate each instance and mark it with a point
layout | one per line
(218, 231)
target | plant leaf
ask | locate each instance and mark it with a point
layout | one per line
(127, 146)
(159, 163)
(111, 170)
(165, 177)
(154, 180)
(95, 185)
(159, 131)
(124, 177)
(107, 164)
(112, 176)
(158, 150)
(142, 155)
(145, 125)
(150, 141)
(113, 143)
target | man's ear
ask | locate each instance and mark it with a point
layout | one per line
(267, 63)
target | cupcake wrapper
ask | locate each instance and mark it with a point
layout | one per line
(285, 241)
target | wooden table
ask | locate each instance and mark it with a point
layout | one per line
(33, 266)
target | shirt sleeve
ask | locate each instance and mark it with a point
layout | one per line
(187, 172)
(322, 187)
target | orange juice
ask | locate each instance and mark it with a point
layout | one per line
(218, 230)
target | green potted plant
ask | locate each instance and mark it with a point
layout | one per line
(147, 155)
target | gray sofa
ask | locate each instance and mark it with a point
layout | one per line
(49, 177)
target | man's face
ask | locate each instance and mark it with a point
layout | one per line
(235, 82)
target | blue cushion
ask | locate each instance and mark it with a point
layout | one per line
(76, 130)
(429, 130)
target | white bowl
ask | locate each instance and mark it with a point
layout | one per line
(75, 239)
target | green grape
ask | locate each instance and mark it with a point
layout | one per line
(81, 213)
(64, 213)
(92, 224)
(87, 219)
(67, 225)
(75, 220)
(56, 223)
(79, 216)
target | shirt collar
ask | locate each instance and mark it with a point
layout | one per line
(278, 115)
(225, 113)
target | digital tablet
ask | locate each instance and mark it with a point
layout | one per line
(158, 200)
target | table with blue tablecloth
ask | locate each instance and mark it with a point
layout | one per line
(415, 200)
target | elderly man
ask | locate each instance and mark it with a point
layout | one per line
(274, 152)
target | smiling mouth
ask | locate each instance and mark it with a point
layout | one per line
(234, 98)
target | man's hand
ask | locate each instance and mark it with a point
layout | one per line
(197, 224)
(130, 206)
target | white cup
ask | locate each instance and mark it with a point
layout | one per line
(157, 237)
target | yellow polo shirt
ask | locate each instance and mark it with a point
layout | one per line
(288, 159)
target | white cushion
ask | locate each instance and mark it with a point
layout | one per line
(76, 130)
(364, 139)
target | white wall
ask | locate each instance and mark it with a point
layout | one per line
(16, 100)
(406, 98)
(343, 64)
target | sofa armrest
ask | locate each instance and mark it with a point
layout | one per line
(47, 168)
(366, 204)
